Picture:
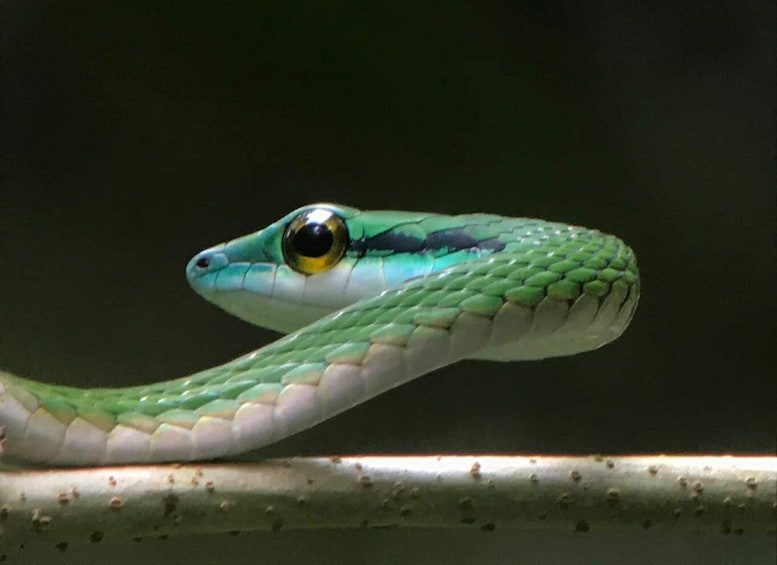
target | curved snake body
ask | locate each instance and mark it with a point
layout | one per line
(372, 299)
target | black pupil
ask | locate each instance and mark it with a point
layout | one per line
(313, 240)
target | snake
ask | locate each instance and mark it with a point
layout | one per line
(367, 300)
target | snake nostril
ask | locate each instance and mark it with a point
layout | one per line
(203, 263)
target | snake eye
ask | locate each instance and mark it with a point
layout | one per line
(315, 241)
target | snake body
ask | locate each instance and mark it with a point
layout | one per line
(371, 299)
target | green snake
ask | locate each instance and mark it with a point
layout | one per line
(368, 300)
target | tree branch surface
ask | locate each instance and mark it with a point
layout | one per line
(730, 495)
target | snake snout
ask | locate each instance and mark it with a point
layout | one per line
(206, 263)
(209, 259)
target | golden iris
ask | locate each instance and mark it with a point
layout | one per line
(315, 241)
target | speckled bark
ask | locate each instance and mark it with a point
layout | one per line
(732, 495)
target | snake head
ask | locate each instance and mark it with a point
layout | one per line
(289, 273)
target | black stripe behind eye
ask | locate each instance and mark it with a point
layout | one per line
(395, 241)
(454, 239)
(492, 245)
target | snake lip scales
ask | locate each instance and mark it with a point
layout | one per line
(368, 300)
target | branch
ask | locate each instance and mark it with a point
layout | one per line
(725, 494)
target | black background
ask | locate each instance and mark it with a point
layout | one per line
(136, 134)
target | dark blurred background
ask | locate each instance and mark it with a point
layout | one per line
(135, 134)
